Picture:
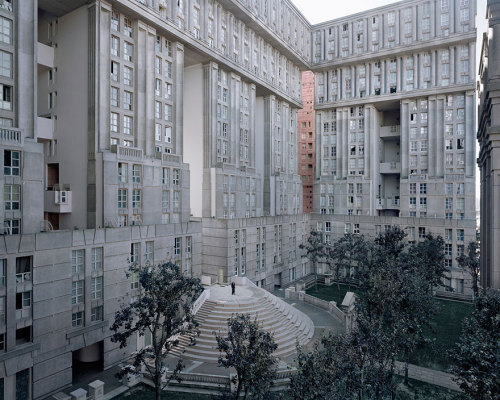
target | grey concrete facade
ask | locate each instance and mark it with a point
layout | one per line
(488, 137)
(395, 115)
(147, 131)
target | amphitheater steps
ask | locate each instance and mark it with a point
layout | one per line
(287, 324)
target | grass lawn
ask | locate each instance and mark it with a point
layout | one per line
(421, 390)
(331, 293)
(447, 325)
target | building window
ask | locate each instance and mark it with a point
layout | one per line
(77, 319)
(96, 288)
(77, 261)
(23, 385)
(122, 198)
(5, 64)
(421, 232)
(77, 292)
(165, 201)
(127, 100)
(115, 68)
(177, 246)
(127, 125)
(148, 254)
(5, 30)
(135, 251)
(96, 258)
(127, 76)
(134, 280)
(136, 173)
(128, 51)
(11, 162)
(11, 197)
(127, 27)
(176, 173)
(11, 226)
(6, 97)
(96, 314)
(113, 122)
(122, 172)
(136, 198)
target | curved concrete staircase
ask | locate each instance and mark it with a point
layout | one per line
(287, 324)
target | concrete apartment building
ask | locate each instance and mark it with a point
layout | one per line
(395, 121)
(307, 146)
(488, 137)
(146, 130)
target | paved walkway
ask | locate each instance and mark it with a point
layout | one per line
(428, 375)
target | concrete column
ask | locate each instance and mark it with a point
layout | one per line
(144, 89)
(178, 95)
(345, 142)
(472, 56)
(432, 144)
(452, 65)
(439, 131)
(368, 139)
(382, 78)
(339, 143)
(318, 144)
(405, 132)
(209, 114)
(234, 117)
(251, 123)
(470, 134)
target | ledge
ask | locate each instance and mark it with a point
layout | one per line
(20, 351)
(85, 329)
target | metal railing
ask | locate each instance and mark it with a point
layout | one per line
(23, 277)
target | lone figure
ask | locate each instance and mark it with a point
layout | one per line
(233, 287)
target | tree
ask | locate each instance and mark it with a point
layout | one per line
(397, 302)
(248, 350)
(315, 250)
(346, 254)
(477, 354)
(163, 308)
(429, 254)
(329, 371)
(394, 306)
(469, 262)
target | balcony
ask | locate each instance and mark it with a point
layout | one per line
(390, 132)
(45, 55)
(11, 137)
(392, 167)
(45, 128)
(23, 277)
(387, 203)
(58, 199)
(22, 313)
(127, 153)
(392, 202)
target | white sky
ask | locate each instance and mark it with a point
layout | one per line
(317, 11)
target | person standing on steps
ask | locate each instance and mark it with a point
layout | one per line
(233, 287)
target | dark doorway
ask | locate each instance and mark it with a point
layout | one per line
(87, 361)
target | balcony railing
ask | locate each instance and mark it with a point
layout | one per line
(9, 136)
(23, 277)
(23, 313)
(127, 153)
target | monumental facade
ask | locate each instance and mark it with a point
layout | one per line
(148, 130)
